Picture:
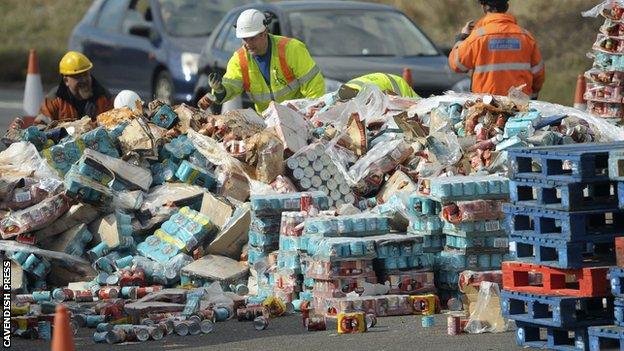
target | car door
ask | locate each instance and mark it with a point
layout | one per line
(137, 52)
(224, 47)
(101, 46)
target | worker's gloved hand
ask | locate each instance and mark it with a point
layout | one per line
(214, 80)
(206, 101)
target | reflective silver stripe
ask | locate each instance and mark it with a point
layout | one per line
(311, 74)
(235, 82)
(259, 97)
(459, 65)
(395, 85)
(503, 67)
(294, 85)
(480, 32)
(537, 68)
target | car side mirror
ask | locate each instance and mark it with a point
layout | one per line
(445, 49)
(141, 30)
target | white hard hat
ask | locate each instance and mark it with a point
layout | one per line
(250, 23)
(127, 98)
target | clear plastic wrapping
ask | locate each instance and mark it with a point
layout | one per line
(487, 316)
(22, 159)
(34, 217)
(471, 211)
(29, 193)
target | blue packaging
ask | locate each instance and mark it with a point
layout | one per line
(35, 136)
(165, 117)
(190, 174)
(99, 140)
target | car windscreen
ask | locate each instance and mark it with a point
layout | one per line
(359, 33)
(193, 18)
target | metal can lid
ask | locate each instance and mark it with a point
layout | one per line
(261, 323)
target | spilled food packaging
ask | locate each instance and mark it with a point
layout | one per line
(34, 217)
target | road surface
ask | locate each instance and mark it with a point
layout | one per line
(10, 104)
(287, 333)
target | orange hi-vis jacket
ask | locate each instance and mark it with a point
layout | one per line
(501, 55)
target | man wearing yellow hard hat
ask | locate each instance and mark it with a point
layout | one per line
(78, 94)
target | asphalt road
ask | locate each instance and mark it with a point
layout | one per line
(10, 104)
(287, 333)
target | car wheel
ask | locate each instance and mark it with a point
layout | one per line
(163, 87)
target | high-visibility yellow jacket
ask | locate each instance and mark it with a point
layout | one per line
(384, 81)
(293, 74)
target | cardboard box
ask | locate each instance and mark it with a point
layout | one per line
(18, 278)
(233, 235)
(233, 184)
(105, 230)
(62, 276)
(398, 182)
(217, 210)
(74, 238)
(216, 268)
(77, 214)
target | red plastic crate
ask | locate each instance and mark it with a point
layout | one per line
(582, 282)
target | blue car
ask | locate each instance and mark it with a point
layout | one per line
(149, 46)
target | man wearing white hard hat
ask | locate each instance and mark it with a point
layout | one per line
(127, 98)
(268, 67)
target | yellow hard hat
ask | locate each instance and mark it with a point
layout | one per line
(74, 63)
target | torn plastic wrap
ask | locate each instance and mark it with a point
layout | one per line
(270, 160)
(610, 9)
(290, 126)
(313, 169)
(29, 192)
(472, 211)
(75, 263)
(603, 130)
(368, 171)
(21, 159)
(157, 202)
(34, 217)
(217, 155)
(487, 315)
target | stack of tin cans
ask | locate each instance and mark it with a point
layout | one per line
(313, 170)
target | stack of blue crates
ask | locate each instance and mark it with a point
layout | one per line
(612, 336)
(564, 216)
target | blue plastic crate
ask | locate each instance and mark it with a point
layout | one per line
(564, 196)
(561, 253)
(572, 163)
(557, 311)
(529, 335)
(590, 226)
(610, 337)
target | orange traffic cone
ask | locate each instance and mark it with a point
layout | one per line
(407, 75)
(62, 338)
(579, 100)
(33, 91)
